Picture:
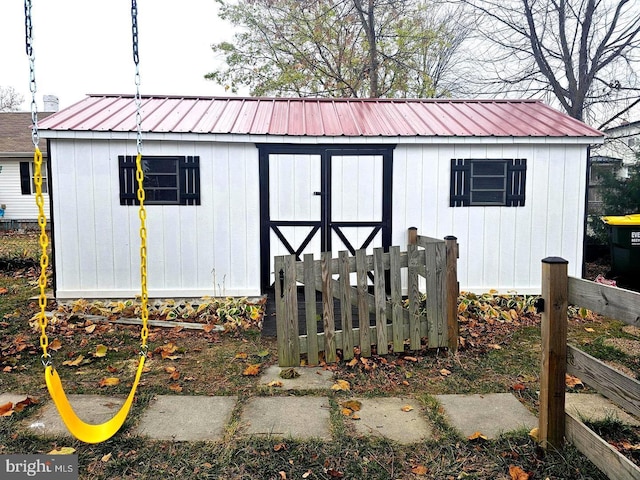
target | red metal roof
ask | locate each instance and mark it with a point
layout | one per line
(320, 117)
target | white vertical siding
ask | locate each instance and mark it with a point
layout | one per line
(500, 247)
(97, 239)
(19, 206)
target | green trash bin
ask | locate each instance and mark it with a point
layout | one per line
(624, 243)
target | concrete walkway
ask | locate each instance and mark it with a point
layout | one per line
(306, 412)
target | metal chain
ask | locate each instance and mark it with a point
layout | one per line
(37, 179)
(142, 213)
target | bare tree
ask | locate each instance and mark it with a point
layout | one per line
(340, 48)
(10, 100)
(582, 54)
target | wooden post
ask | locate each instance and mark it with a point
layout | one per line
(551, 426)
(380, 301)
(452, 292)
(413, 293)
(287, 312)
(412, 235)
(310, 309)
(327, 310)
(396, 300)
(345, 306)
(363, 306)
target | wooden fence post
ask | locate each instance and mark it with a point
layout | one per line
(412, 235)
(452, 292)
(310, 309)
(287, 311)
(551, 426)
(327, 310)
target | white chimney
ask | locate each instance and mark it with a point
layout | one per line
(51, 103)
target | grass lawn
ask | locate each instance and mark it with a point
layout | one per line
(499, 356)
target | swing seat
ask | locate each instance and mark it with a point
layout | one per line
(87, 432)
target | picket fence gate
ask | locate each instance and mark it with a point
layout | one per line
(398, 317)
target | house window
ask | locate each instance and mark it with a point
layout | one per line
(168, 180)
(487, 183)
(27, 177)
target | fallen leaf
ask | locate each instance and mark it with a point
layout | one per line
(347, 412)
(495, 346)
(477, 436)
(573, 382)
(207, 327)
(355, 416)
(411, 359)
(289, 373)
(62, 451)
(534, 433)
(106, 458)
(175, 388)
(335, 473)
(353, 362)
(588, 329)
(109, 382)
(4, 290)
(241, 355)
(101, 351)
(407, 408)
(252, 370)
(175, 375)
(21, 405)
(306, 474)
(274, 383)
(341, 385)
(419, 470)
(6, 409)
(518, 387)
(90, 328)
(444, 372)
(55, 345)
(517, 473)
(74, 363)
(111, 369)
(263, 353)
(354, 405)
(169, 369)
(279, 446)
(282, 474)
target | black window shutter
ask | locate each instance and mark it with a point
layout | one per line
(189, 180)
(460, 194)
(516, 181)
(25, 178)
(128, 182)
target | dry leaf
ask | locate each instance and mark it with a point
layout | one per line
(175, 388)
(517, 473)
(4, 290)
(74, 363)
(335, 473)
(55, 345)
(419, 470)
(518, 387)
(279, 446)
(21, 405)
(341, 385)
(252, 370)
(90, 328)
(274, 383)
(354, 405)
(444, 372)
(347, 412)
(106, 458)
(477, 436)
(407, 408)
(101, 351)
(111, 369)
(355, 416)
(289, 373)
(207, 327)
(282, 474)
(169, 369)
(306, 474)
(534, 433)
(241, 355)
(62, 451)
(411, 359)
(109, 382)
(353, 362)
(588, 329)
(495, 346)
(6, 409)
(573, 382)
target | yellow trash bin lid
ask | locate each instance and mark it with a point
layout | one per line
(629, 220)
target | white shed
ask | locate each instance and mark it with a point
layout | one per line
(231, 182)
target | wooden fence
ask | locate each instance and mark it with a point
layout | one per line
(558, 358)
(434, 260)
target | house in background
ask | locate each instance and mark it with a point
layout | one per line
(232, 182)
(17, 188)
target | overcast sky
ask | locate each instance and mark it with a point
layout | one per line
(84, 46)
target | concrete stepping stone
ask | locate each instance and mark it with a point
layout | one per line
(490, 414)
(90, 408)
(384, 417)
(595, 407)
(311, 378)
(288, 417)
(186, 418)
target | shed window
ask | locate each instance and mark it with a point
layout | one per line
(168, 180)
(488, 182)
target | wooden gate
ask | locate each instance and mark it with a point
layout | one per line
(428, 265)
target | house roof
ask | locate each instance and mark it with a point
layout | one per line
(320, 117)
(15, 132)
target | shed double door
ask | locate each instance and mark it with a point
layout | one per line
(323, 199)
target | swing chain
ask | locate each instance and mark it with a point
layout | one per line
(136, 61)
(32, 71)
